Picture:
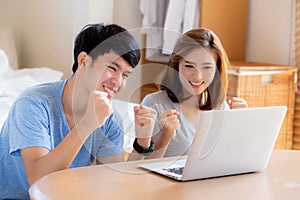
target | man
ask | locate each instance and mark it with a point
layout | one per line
(55, 126)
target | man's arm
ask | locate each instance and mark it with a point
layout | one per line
(39, 161)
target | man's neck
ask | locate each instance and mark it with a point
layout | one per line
(74, 104)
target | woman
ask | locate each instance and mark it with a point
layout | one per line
(195, 81)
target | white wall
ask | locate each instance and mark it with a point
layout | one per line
(101, 11)
(270, 31)
(47, 33)
(45, 30)
(127, 14)
(10, 13)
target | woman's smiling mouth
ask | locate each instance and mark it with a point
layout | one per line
(196, 84)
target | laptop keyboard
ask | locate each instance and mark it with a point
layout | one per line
(176, 170)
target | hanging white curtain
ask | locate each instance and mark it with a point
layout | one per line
(181, 16)
(164, 21)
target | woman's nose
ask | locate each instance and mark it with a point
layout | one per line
(198, 73)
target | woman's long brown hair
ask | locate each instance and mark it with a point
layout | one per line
(198, 38)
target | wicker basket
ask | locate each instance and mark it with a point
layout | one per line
(266, 85)
(296, 129)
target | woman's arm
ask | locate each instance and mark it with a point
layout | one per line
(170, 124)
(236, 103)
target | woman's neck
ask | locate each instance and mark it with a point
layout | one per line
(190, 110)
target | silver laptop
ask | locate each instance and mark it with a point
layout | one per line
(226, 143)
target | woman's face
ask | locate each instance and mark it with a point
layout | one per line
(196, 71)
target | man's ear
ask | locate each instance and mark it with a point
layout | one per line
(82, 58)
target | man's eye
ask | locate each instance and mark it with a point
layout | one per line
(112, 68)
(189, 66)
(125, 76)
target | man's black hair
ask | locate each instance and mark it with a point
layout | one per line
(99, 39)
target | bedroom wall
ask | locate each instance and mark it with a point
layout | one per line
(271, 31)
(101, 10)
(131, 22)
(48, 32)
(10, 12)
(44, 30)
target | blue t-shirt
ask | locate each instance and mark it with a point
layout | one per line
(36, 119)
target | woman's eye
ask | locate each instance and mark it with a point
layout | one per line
(207, 67)
(189, 66)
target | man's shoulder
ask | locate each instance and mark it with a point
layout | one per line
(45, 90)
(40, 96)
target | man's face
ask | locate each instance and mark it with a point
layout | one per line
(108, 73)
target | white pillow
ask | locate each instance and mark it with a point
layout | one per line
(5, 69)
(40, 74)
(125, 109)
(7, 43)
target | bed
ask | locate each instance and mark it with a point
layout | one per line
(13, 80)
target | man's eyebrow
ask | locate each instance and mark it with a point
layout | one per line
(114, 63)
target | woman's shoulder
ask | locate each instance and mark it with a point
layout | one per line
(158, 99)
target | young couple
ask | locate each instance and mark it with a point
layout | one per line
(70, 123)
